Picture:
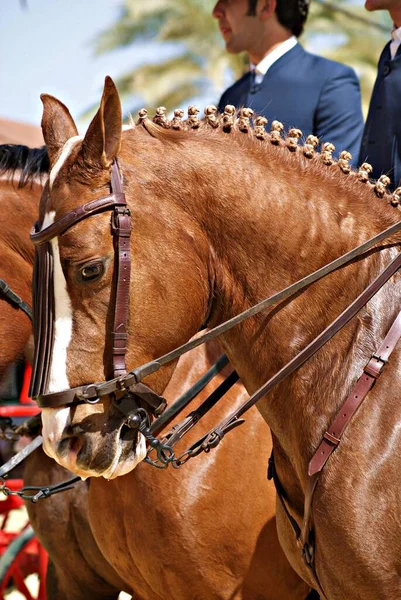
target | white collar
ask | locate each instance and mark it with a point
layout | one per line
(264, 65)
(396, 33)
(396, 40)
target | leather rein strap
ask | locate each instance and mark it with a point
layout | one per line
(14, 299)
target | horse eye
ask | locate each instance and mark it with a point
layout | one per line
(92, 271)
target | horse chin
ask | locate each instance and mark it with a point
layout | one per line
(121, 467)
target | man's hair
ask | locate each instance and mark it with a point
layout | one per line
(291, 14)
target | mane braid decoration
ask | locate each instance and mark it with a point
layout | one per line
(193, 120)
(396, 197)
(228, 118)
(310, 146)
(364, 172)
(294, 135)
(381, 185)
(160, 117)
(211, 116)
(260, 127)
(244, 119)
(176, 121)
(246, 122)
(275, 132)
(327, 153)
(343, 162)
(142, 116)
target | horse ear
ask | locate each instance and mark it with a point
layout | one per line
(58, 126)
(103, 138)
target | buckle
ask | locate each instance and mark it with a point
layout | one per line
(89, 394)
(379, 359)
(331, 438)
(375, 366)
(120, 211)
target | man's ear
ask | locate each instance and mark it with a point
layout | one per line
(266, 9)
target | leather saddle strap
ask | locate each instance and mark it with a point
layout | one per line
(332, 437)
(272, 475)
(371, 373)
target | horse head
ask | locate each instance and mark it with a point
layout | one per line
(168, 288)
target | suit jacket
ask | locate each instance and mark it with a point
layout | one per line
(306, 91)
(381, 142)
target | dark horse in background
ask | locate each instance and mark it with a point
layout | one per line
(170, 534)
(220, 221)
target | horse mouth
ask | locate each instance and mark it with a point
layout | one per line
(83, 456)
(127, 434)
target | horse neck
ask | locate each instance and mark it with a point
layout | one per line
(269, 224)
(19, 206)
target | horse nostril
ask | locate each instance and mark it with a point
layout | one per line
(69, 445)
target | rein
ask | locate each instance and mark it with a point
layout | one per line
(14, 299)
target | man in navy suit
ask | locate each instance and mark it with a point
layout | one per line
(285, 82)
(381, 143)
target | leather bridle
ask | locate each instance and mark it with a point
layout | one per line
(43, 294)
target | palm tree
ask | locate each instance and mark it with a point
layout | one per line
(192, 61)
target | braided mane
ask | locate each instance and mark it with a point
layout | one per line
(32, 163)
(243, 124)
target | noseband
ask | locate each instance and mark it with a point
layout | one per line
(43, 292)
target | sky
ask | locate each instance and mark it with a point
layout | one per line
(46, 47)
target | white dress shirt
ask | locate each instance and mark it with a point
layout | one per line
(264, 65)
(396, 35)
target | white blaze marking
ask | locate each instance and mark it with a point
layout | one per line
(55, 420)
(66, 151)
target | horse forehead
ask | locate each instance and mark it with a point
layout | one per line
(65, 153)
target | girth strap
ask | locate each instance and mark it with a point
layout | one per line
(332, 437)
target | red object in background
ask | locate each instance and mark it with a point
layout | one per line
(24, 396)
(26, 407)
(20, 551)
